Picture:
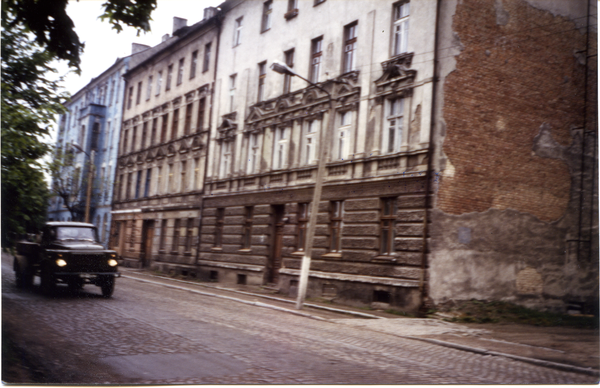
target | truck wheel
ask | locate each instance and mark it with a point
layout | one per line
(47, 282)
(19, 276)
(108, 286)
(75, 284)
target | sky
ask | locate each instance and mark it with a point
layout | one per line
(103, 45)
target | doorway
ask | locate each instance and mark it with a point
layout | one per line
(147, 238)
(275, 260)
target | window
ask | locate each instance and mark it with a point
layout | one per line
(311, 142)
(400, 28)
(253, 150)
(138, 183)
(302, 225)
(95, 135)
(163, 130)
(154, 127)
(317, 2)
(147, 184)
(118, 77)
(120, 187)
(130, 97)
(149, 88)
(134, 138)
(187, 127)
(144, 134)
(112, 92)
(225, 158)
(201, 110)
(287, 79)
(170, 182)
(280, 151)
(180, 71)
(169, 77)
(206, 63)
(335, 225)
(176, 231)
(266, 18)
(247, 231)
(232, 91)
(128, 187)
(392, 138)
(158, 180)
(262, 74)
(350, 47)
(343, 135)
(315, 59)
(183, 177)
(196, 183)
(292, 9)
(158, 82)
(194, 64)
(163, 234)
(387, 222)
(219, 227)
(175, 124)
(237, 33)
(189, 234)
(138, 96)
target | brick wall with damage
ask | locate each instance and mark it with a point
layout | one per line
(514, 215)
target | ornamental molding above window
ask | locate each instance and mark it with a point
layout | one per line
(227, 129)
(396, 76)
(189, 97)
(146, 115)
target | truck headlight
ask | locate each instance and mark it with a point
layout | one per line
(61, 262)
(112, 262)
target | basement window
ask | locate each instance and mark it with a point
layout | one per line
(381, 296)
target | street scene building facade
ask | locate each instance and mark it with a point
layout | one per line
(162, 155)
(460, 139)
(92, 123)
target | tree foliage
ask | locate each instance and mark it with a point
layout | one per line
(68, 183)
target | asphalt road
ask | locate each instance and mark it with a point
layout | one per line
(151, 334)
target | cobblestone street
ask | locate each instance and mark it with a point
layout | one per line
(151, 334)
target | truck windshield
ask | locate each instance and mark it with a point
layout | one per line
(75, 233)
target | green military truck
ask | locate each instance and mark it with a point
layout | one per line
(69, 253)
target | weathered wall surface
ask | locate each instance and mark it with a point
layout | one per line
(509, 137)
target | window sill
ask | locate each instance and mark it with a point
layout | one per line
(216, 249)
(337, 255)
(384, 259)
(291, 14)
(245, 250)
(297, 253)
(263, 31)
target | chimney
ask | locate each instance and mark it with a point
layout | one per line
(137, 47)
(165, 37)
(210, 12)
(178, 23)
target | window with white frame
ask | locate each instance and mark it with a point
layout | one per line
(400, 28)
(149, 89)
(169, 77)
(158, 189)
(183, 177)
(392, 137)
(158, 82)
(194, 64)
(237, 33)
(171, 179)
(180, 71)
(262, 75)
(225, 158)
(315, 59)
(350, 33)
(310, 142)
(232, 92)
(253, 153)
(281, 145)
(287, 79)
(343, 135)
(196, 184)
(266, 18)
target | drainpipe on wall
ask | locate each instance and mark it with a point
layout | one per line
(210, 115)
(428, 173)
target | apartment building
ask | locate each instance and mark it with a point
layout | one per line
(163, 149)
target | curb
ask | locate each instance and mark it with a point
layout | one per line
(535, 361)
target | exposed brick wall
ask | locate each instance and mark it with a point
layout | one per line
(517, 70)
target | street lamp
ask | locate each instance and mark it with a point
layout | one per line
(325, 140)
(90, 180)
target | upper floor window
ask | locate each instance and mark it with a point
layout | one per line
(183, 182)
(138, 183)
(206, 63)
(392, 138)
(196, 183)
(310, 142)
(387, 222)
(225, 158)
(180, 71)
(287, 79)
(266, 18)
(171, 179)
(144, 135)
(149, 88)
(175, 124)
(232, 91)
(400, 28)
(112, 92)
(237, 33)
(139, 93)
(130, 97)
(253, 153)
(292, 9)
(194, 64)
(189, 235)
(350, 32)
(262, 74)
(158, 82)
(147, 184)
(201, 110)
(343, 135)
(163, 130)
(280, 151)
(187, 127)
(169, 77)
(247, 231)
(315, 59)
(154, 128)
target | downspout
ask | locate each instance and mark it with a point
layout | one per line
(428, 173)
(218, 20)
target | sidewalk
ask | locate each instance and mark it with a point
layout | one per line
(571, 349)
